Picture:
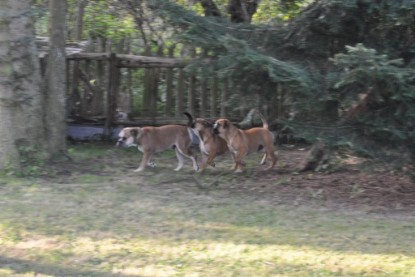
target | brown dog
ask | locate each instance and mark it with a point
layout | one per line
(150, 140)
(242, 142)
(210, 144)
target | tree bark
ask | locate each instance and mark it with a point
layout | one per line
(241, 11)
(75, 95)
(21, 124)
(213, 96)
(56, 83)
(210, 8)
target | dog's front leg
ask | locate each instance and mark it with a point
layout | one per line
(238, 160)
(145, 160)
(208, 160)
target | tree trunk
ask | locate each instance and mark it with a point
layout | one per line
(213, 96)
(75, 95)
(210, 8)
(21, 124)
(224, 98)
(242, 10)
(203, 98)
(56, 83)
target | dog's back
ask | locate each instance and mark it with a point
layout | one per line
(165, 137)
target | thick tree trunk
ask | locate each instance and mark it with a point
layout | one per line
(56, 83)
(21, 124)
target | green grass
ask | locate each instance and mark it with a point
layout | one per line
(141, 225)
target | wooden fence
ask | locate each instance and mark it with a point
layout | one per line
(153, 89)
(166, 90)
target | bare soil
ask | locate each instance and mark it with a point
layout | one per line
(353, 183)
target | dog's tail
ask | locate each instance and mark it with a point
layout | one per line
(190, 117)
(264, 121)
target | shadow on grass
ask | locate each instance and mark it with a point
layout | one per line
(25, 266)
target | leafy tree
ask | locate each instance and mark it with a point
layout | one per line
(386, 111)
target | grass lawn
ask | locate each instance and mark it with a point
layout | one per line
(93, 216)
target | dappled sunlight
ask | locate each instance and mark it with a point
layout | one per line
(134, 226)
(168, 257)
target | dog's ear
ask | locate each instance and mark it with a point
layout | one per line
(208, 123)
(134, 133)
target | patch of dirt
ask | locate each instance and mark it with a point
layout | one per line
(351, 185)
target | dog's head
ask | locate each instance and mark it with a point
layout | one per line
(199, 124)
(221, 126)
(128, 137)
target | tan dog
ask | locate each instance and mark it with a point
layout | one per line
(243, 142)
(150, 140)
(210, 144)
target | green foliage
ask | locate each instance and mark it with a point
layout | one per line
(40, 14)
(271, 10)
(31, 163)
(103, 19)
(389, 113)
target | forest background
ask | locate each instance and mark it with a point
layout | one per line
(341, 71)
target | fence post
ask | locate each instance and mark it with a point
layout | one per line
(180, 94)
(213, 96)
(169, 85)
(111, 97)
(224, 97)
(191, 99)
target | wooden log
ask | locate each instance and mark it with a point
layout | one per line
(125, 60)
(153, 121)
(88, 56)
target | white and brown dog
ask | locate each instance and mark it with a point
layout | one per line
(243, 142)
(150, 140)
(210, 144)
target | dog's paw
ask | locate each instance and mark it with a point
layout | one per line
(139, 169)
(152, 164)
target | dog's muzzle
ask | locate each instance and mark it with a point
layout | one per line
(216, 129)
(120, 143)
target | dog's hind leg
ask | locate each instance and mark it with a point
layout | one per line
(180, 157)
(186, 152)
(264, 159)
(273, 158)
